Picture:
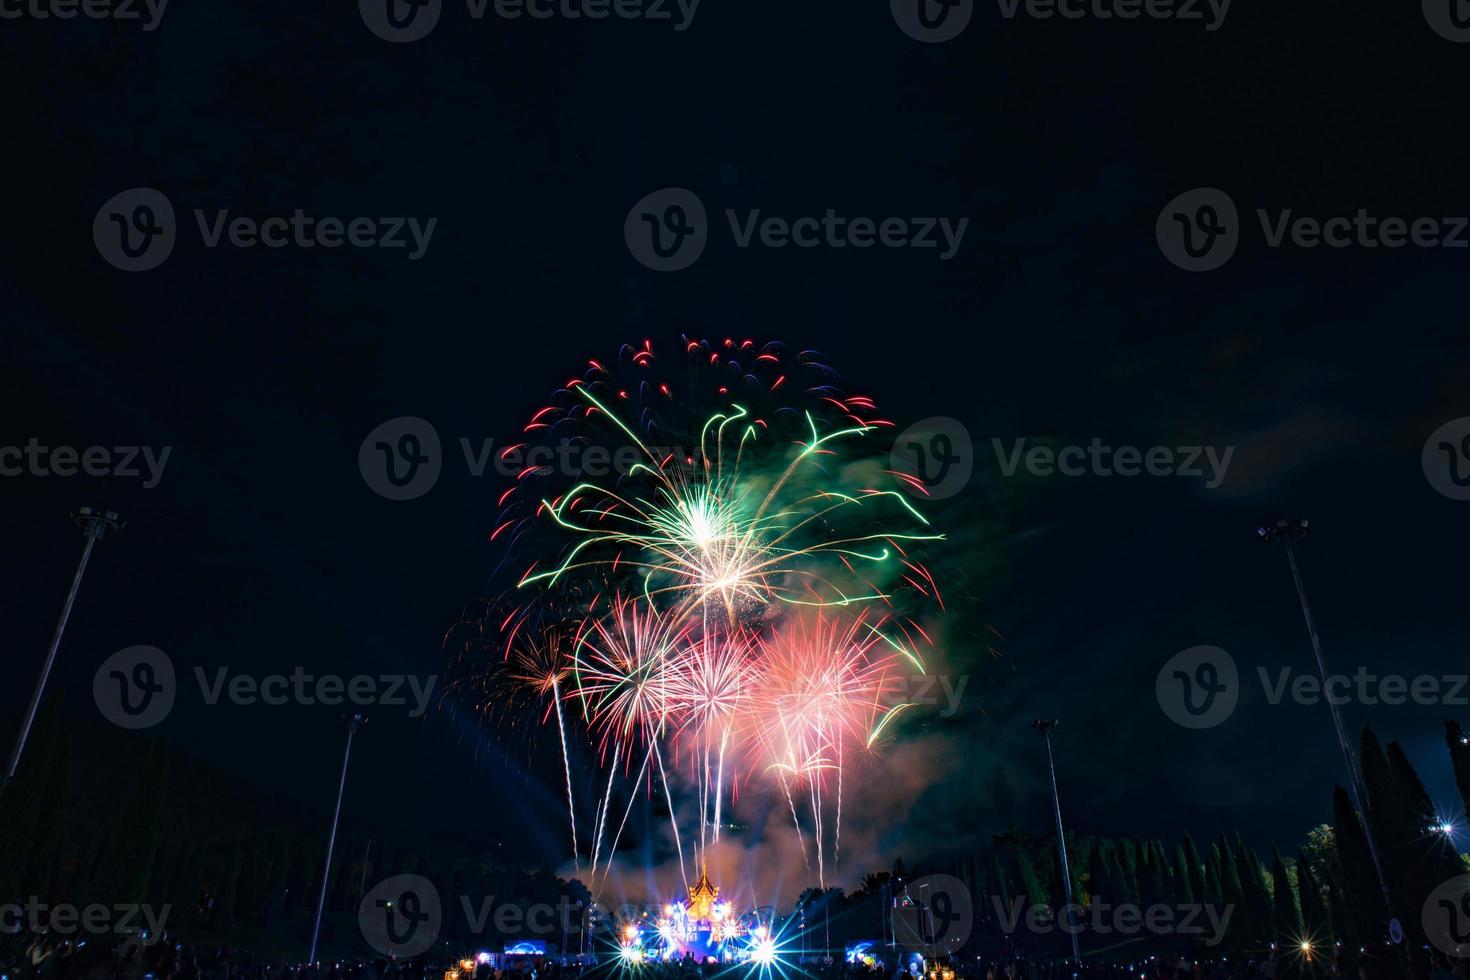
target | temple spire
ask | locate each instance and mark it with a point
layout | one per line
(702, 896)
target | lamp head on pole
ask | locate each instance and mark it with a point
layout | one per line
(94, 523)
(1284, 533)
(1044, 725)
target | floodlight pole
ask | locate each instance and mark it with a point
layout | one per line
(94, 524)
(1287, 534)
(1044, 726)
(353, 724)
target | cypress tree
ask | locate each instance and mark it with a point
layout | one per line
(23, 805)
(1030, 884)
(127, 861)
(1079, 853)
(341, 873)
(188, 893)
(1123, 892)
(1128, 851)
(1163, 874)
(1196, 867)
(1256, 896)
(997, 877)
(1286, 913)
(1422, 857)
(1184, 885)
(1097, 879)
(1337, 908)
(1213, 889)
(1385, 816)
(1147, 892)
(83, 888)
(226, 902)
(1432, 855)
(45, 877)
(1316, 921)
(166, 867)
(1230, 885)
(1362, 898)
(298, 881)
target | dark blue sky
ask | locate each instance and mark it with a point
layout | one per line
(1058, 319)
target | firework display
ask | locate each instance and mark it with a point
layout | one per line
(714, 580)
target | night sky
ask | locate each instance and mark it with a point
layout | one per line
(1058, 320)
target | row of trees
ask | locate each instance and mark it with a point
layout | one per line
(1327, 892)
(150, 825)
(221, 862)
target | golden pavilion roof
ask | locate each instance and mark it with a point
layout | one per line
(702, 896)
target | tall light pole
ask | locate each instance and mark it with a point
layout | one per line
(353, 724)
(1288, 534)
(94, 524)
(1044, 726)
